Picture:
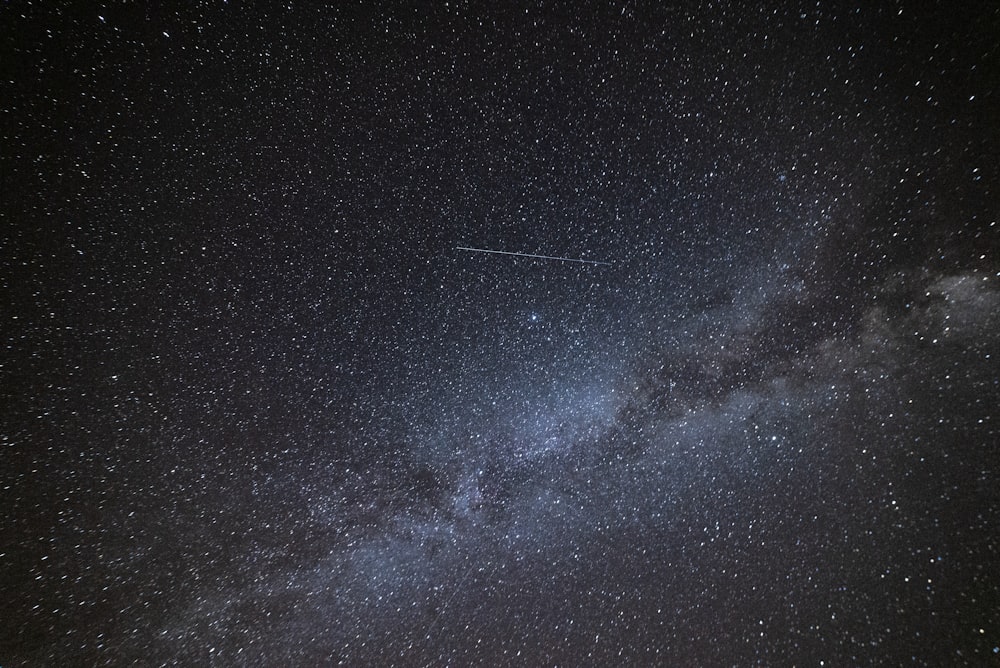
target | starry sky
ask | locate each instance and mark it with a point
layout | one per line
(257, 407)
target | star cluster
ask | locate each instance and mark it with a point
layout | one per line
(259, 407)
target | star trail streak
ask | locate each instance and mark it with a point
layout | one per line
(541, 257)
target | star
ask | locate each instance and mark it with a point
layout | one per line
(493, 336)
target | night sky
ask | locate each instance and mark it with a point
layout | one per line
(258, 408)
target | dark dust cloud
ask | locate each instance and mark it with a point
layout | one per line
(259, 409)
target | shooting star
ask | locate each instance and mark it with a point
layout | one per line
(540, 257)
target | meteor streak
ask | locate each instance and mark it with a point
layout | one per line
(540, 257)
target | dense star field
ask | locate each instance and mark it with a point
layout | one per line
(257, 407)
